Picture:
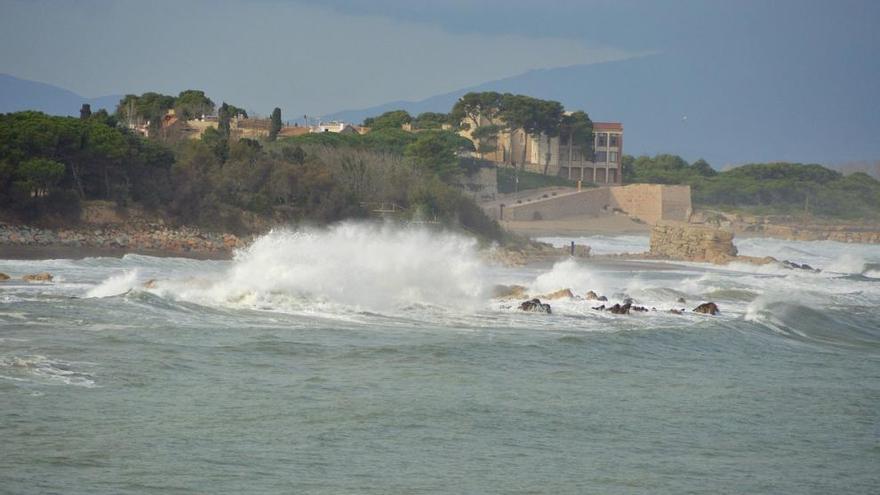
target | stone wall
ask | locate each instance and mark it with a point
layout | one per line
(688, 242)
(589, 201)
(649, 203)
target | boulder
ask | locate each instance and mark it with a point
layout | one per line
(509, 292)
(560, 294)
(535, 306)
(150, 284)
(621, 310)
(38, 277)
(708, 308)
(3, 276)
(592, 296)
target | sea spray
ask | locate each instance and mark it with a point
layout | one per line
(115, 285)
(356, 264)
(569, 274)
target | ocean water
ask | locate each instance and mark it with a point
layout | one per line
(373, 359)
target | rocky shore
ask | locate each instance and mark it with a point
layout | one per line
(150, 238)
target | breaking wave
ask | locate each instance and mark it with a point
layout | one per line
(359, 265)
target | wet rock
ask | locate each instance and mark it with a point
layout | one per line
(708, 308)
(509, 291)
(681, 300)
(796, 266)
(592, 296)
(38, 277)
(535, 305)
(560, 294)
(3, 276)
(600, 308)
(618, 309)
(151, 284)
(676, 311)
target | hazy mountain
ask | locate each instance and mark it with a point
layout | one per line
(20, 94)
(691, 107)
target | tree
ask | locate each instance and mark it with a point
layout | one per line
(394, 119)
(486, 137)
(192, 104)
(437, 151)
(577, 130)
(275, 125)
(85, 111)
(149, 107)
(473, 108)
(531, 115)
(430, 120)
(39, 175)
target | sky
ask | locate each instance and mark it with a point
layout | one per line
(809, 59)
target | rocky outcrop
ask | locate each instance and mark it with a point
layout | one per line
(708, 308)
(142, 237)
(4, 277)
(622, 309)
(592, 296)
(38, 277)
(509, 292)
(560, 294)
(535, 306)
(687, 242)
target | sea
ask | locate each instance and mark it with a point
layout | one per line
(374, 359)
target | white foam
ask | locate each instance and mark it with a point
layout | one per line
(115, 285)
(45, 370)
(355, 264)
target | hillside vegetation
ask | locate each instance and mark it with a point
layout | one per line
(765, 188)
(48, 165)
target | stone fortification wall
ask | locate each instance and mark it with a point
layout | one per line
(649, 203)
(588, 201)
(682, 241)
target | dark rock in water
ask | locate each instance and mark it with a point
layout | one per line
(795, 266)
(676, 311)
(639, 308)
(681, 300)
(536, 306)
(3, 276)
(628, 300)
(591, 296)
(600, 308)
(602, 298)
(708, 308)
(621, 310)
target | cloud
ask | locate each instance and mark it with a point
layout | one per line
(304, 58)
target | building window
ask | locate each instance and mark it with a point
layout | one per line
(601, 157)
(614, 141)
(612, 156)
(602, 139)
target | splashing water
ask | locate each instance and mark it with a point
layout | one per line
(115, 285)
(380, 267)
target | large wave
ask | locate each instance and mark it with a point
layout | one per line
(362, 265)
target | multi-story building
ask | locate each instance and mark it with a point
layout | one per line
(607, 155)
(554, 155)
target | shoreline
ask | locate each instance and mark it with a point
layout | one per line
(115, 240)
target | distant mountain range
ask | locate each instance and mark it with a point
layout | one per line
(20, 94)
(691, 107)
